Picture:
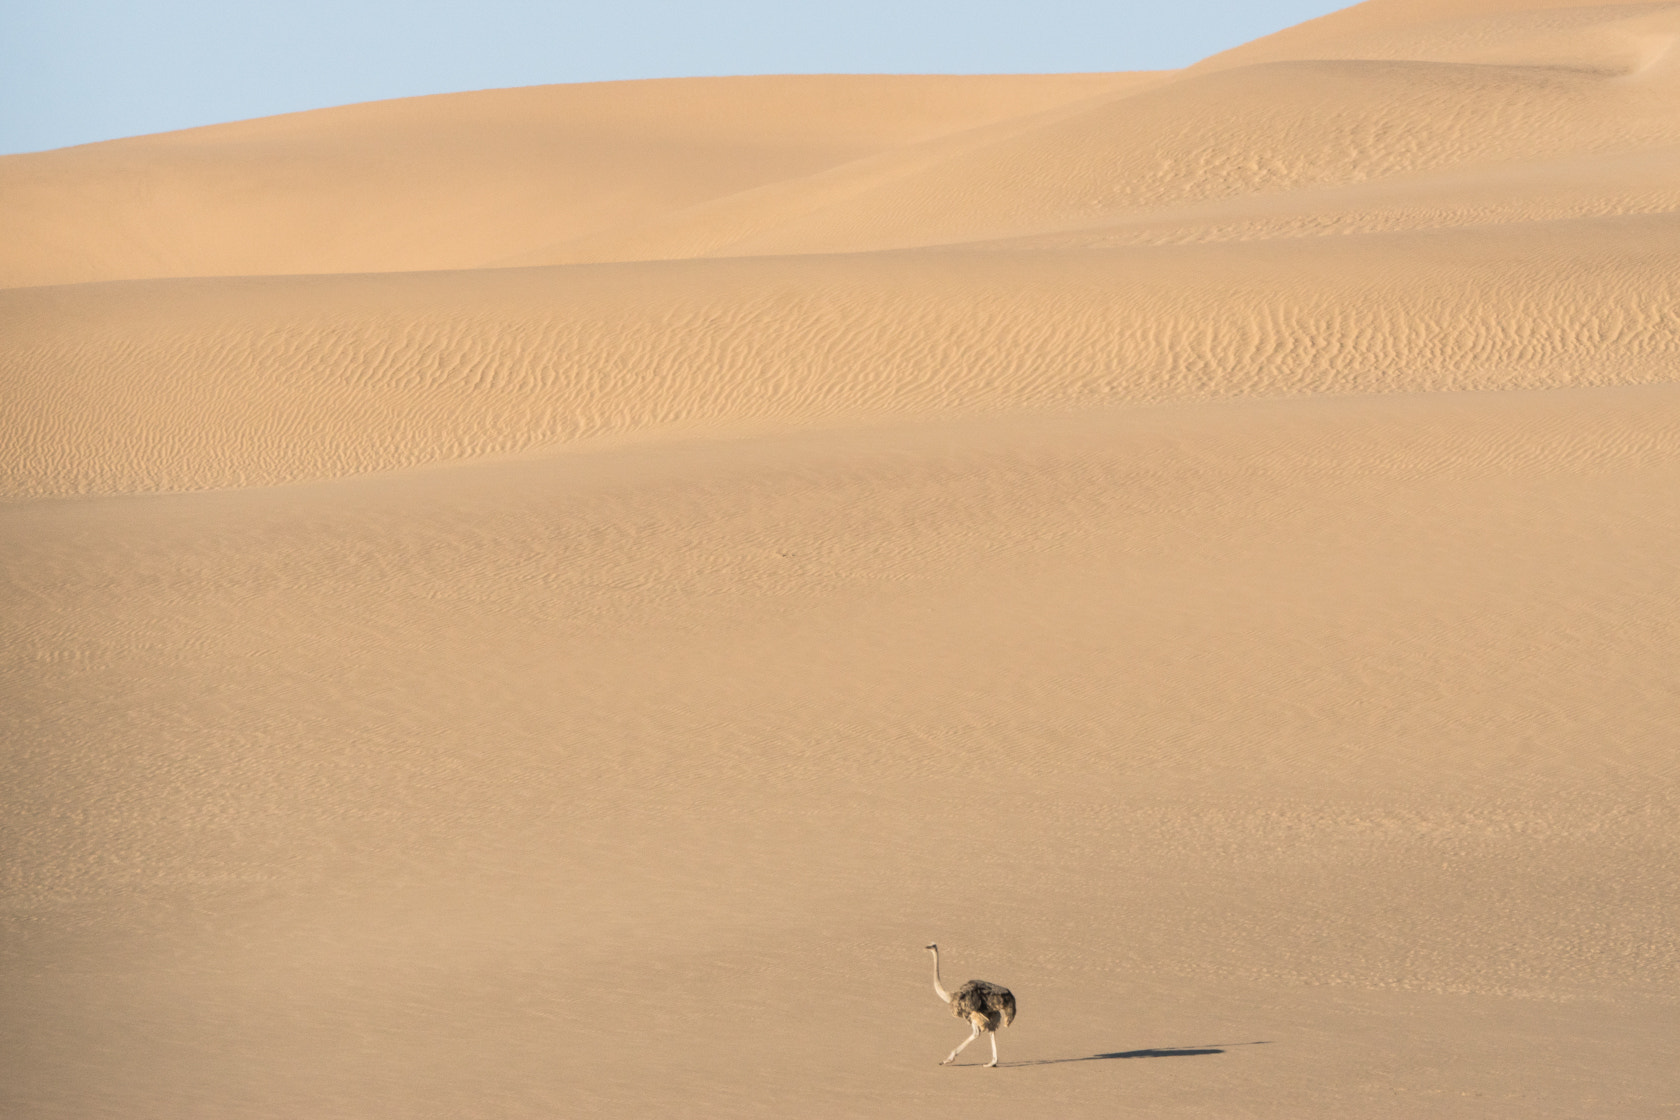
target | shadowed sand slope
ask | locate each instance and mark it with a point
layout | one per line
(539, 603)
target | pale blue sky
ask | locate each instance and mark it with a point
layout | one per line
(74, 71)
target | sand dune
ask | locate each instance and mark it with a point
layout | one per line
(461, 180)
(1594, 37)
(756, 166)
(226, 383)
(1238, 133)
(540, 602)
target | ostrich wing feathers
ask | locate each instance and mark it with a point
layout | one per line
(990, 1005)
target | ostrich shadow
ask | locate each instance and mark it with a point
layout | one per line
(1152, 1052)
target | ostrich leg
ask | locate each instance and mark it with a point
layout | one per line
(993, 1063)
(964, 1046)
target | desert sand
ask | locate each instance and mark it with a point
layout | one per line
(539, 603)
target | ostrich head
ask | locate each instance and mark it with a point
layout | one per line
(934, 947)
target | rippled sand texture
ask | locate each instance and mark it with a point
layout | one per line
(540, 602)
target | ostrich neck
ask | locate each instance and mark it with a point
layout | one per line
(937, 986)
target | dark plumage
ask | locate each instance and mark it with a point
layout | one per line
(988, 1006)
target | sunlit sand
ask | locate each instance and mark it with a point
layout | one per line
(542, 602)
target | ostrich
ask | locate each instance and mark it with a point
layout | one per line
(985, 1005)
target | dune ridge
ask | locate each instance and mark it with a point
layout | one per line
(1247, 133)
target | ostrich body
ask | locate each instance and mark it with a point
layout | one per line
(988, 1007)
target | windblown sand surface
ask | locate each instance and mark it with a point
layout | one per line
(541, 602)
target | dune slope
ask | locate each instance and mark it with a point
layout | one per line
(221, 383)
(1344, 727)
(462, 180)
